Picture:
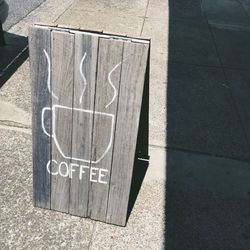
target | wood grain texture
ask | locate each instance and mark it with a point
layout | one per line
(93, 105)
(86, 47)
(128, 113)
(39, 39)
(107, 89)
(62, 54)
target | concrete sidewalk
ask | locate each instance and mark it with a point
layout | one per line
(199, 102)
(18, 10)
(208, 114)
(26, 227)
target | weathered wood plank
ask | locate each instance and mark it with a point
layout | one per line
(87, 95)
(131, 88)
(39, 40)
(62, 54)
(84, 92)
(106, 98)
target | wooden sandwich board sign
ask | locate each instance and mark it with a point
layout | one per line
(87, 95)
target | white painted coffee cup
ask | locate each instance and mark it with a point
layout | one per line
(100, 151)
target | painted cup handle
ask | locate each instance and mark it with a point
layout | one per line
(42, 120)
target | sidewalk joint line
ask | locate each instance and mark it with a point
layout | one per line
(243, 7)
(144, 18)
(207, 154)
(26, 15)
(210, 66)
(17, 129)
(92, 235)
(63, 12)
(9, 123)
(232, 99)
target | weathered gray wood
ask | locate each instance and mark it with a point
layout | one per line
(39, 39)
(62, 54)
(93, 132)
(107, 89)
(129, 106)
(84, 93)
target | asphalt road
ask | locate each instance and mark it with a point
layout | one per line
(19, 9)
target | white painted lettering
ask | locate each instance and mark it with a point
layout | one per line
(66, 167)
(92, 173)
(82, 171)
(72, 169)
(68, 170)
(102, 175)
(48, 169)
